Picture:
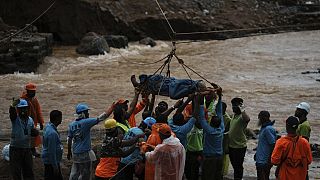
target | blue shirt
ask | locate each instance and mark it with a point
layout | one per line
(79, 130)
(182, 131)
(21, 133)
(52, 148)
(267, 139)
(135, 155)
(213, 137)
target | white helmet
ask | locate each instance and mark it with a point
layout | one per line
(305, 106)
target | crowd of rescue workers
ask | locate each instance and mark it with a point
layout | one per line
(197, 141)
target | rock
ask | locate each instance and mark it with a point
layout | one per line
(93, 44)
(23, 52)
(148, 41)
(116, 41)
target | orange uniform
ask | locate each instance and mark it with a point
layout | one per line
(112, 163)
(294, 155)
(35, 113)
(139, 107)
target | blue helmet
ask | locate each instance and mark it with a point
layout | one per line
(149, 121)
(22, 103)
(81, 107)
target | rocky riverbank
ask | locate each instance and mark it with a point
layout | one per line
(69, 21)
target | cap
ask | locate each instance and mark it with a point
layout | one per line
(122, 101)
(110, 123)
(149, 121)
(31, 86)
(292, 122)
(22, 103)
(164, 129)
(237, 101)
(81, 107)
(305, 106)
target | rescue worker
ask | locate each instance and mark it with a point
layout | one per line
(35, 113)
(301, 112)
(168, 157)
(179, 126)
(52, 149)
(292, 154)
(112, 150)
(127, 164)
(80, 140)
(237, 137)
(213, 143)
(146, 125)
(21, 163)
(266, 142)
(226, 120)
(162, 112)
(194, 152)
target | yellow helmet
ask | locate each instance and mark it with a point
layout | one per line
(110, 123)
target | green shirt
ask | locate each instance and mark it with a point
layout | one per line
(227, 120)
(195, 139)
(304, 129)
(237, 137)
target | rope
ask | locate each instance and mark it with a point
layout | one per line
(245, 29)
(23, 29)
(123, 168)
(197, 74)
(173, 32)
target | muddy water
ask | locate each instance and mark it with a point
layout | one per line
(264, 70)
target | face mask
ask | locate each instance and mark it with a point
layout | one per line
(31, 95)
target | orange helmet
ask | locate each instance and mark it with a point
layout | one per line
(31, 86)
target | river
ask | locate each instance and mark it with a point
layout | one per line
(264, 70)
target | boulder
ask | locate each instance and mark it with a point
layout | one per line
(116, 41)
(148, 41)
(23, 52)
(93, 44)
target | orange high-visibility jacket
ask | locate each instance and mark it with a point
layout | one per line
(35, 113)
(107, 167)
(295, 154)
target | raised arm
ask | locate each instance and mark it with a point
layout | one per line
(131, 141)
(184, 104)
(151, 104)
(133, 102)
(13, 113)
(169, 110)
(107, 113)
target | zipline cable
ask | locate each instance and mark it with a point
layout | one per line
(245, 29)
(173, 32)
(23, 29)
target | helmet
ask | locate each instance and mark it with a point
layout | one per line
(22, 103)
(305, 106)
(31, 86)
(81, 107)
(110, 123)
(149, 121)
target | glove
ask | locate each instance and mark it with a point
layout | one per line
(242, 108)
